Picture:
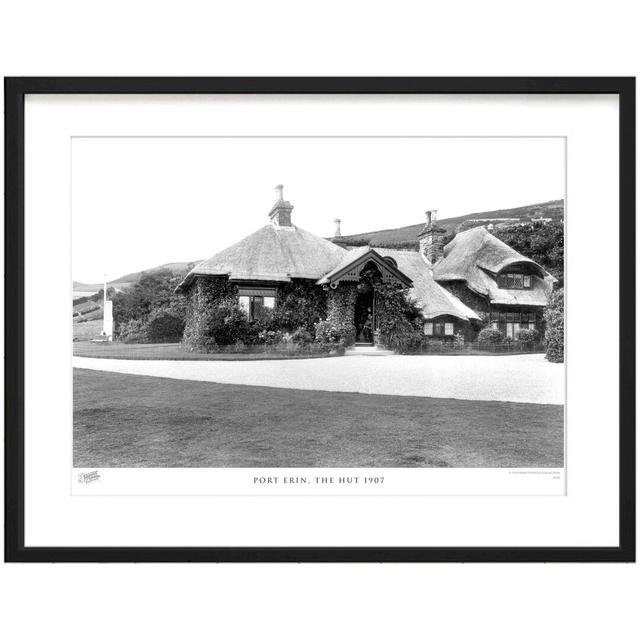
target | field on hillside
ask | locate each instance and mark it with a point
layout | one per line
(139, 421)
(82, 294)
(90, 289)
(407, 237)
(97, 314)
(87, 330)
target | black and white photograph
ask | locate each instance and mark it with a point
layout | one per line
(319, 320)
(385, 323)
(318, 302)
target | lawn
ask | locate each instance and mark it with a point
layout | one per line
(125, 420)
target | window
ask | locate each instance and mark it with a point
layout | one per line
(257, 305)
(510, 323)
(439, 328)
(508, 330)
(245, 303)
(254, 301)
(514, 281)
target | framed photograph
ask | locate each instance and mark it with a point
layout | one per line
(320, 319)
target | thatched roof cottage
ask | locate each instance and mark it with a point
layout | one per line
(459, 286)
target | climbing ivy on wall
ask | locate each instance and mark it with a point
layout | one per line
(301, 304)
(213, 316)
(399, 319)
(339, 324)
(341, 304)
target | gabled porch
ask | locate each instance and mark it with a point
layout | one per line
(358, 272)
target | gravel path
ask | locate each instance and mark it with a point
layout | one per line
(521, 378)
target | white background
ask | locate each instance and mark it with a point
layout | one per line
(463, 38)
(586, 516)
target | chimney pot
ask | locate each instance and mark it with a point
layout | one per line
(280, 213)
(432, 238)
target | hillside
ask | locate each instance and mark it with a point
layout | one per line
(406, 237)
(177, 268)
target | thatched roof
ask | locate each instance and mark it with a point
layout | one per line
(280, 253)
(433, 299)
(272, 253)
(476, 257)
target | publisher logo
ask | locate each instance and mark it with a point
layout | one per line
(88, 477)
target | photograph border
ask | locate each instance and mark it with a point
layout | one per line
(15, 91)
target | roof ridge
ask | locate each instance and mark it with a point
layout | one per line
(397, 250)
(478, 228)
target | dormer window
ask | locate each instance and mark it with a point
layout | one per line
(514, 281)
(391, 261)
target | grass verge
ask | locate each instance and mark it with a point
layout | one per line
(122, 351)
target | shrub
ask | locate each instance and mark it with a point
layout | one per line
(399, 334)
(399, 318)
(227, 322)
(271, 338)
(151, 291)
(164, 325)
(489, 336)
(267, 321)
(554, 334)
(528, 336)
(432, 343)
(335, 332)
(133, 331)
(301, 336)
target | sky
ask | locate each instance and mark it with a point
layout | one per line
(141, 202)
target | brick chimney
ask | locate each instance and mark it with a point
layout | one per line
(280, 214)
(336, 229)
(432, 238)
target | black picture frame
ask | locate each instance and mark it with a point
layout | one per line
(15, 91)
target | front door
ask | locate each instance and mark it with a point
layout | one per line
(364, 313)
